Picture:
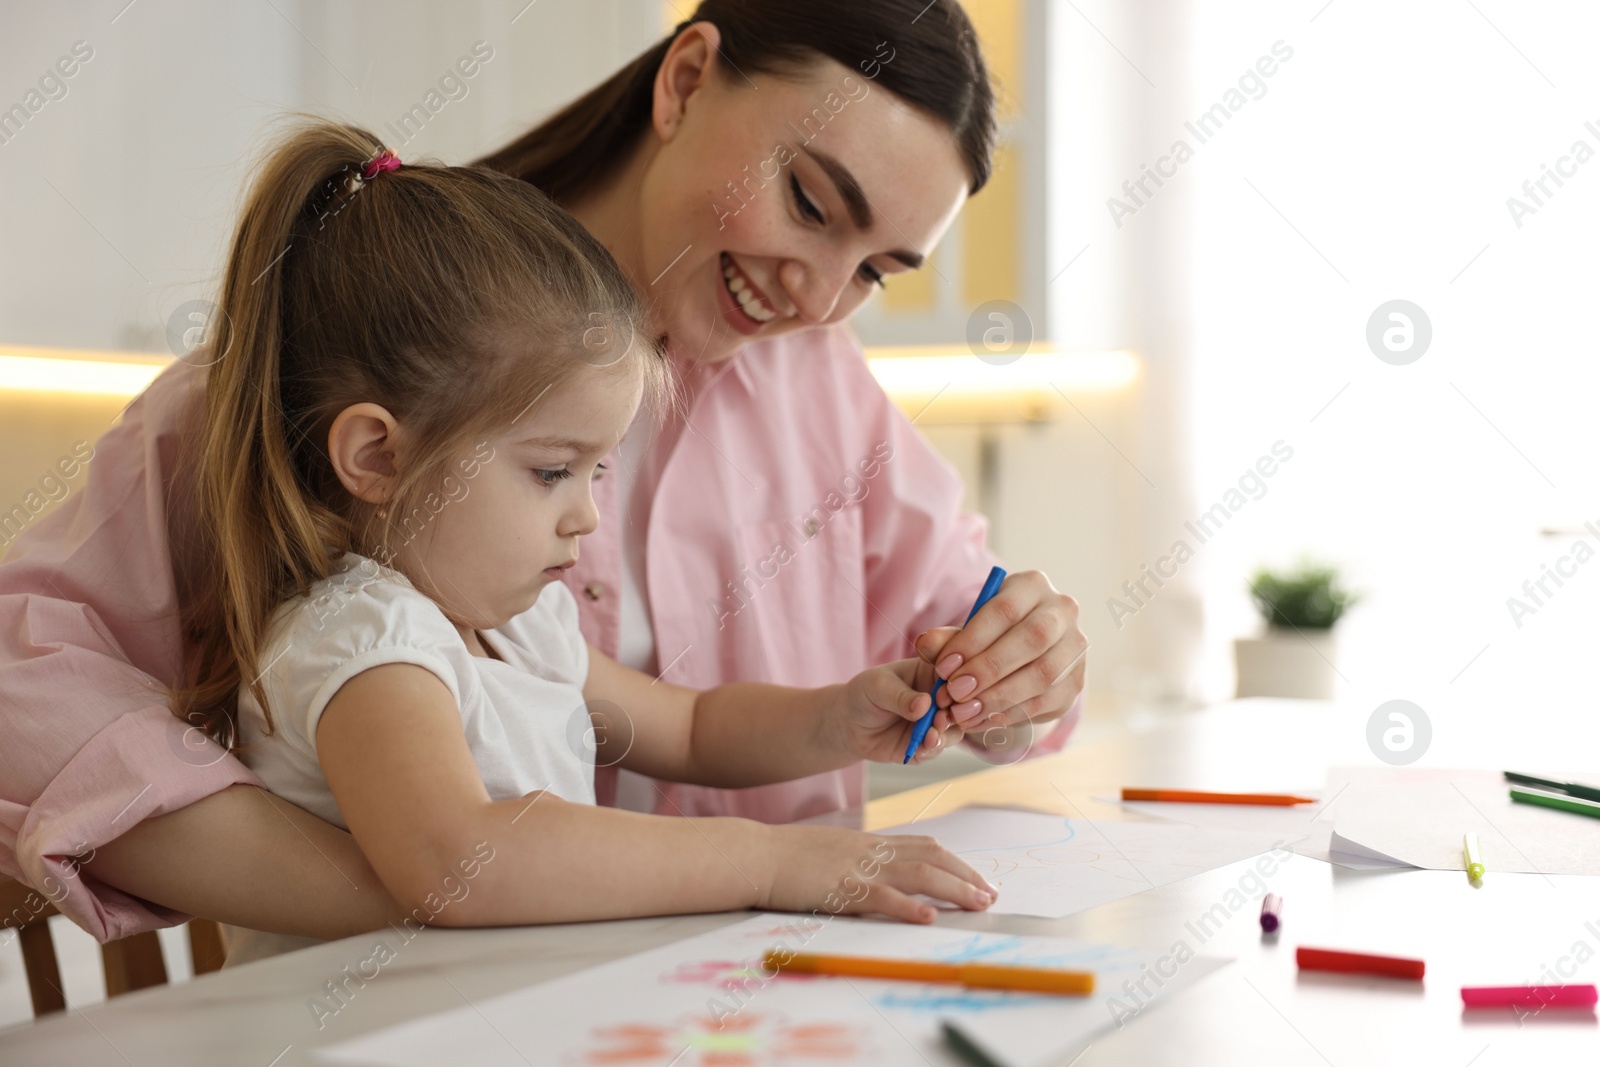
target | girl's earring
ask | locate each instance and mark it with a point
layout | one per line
(384, 554)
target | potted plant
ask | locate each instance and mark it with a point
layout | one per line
(1295, 657)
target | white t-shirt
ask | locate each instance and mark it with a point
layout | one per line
(523, 714)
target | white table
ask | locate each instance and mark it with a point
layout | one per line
(1258, 1010)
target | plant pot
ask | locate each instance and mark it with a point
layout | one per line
(1287, 663)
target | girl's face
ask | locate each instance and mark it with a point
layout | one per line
(509, 523)
(771, 207)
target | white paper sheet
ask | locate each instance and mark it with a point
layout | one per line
(1355, 855)
(1053, 865)
(705, 1001)
(1302, 827)
(1287, 822)
(1418, 818)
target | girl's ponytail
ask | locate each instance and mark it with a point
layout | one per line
(267, 534)
(451, 296)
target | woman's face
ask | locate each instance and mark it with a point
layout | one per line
(771, 207)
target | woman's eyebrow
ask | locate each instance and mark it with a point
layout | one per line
(855, 201)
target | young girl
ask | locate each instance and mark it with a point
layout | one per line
(418, 371)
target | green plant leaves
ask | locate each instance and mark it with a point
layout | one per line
(1307, 597)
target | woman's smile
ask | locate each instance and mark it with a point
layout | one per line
(746, 307)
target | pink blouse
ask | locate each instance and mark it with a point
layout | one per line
(799, 530)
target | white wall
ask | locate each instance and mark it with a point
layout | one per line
(1377, 165)
(119, 196)
(1392, 142)
(1115, 80)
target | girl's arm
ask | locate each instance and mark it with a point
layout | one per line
(246, 857)
(746, 733)
(391, 746)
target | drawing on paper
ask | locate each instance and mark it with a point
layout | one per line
(1050, 865)
(1015, 950)
(729, 975)
(942, 999)
(996, 864)
(747, 1039)
(793, 933)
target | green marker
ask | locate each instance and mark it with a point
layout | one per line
(968, 1049)
(1551, 800)
(1587, 792)
(1474, 857)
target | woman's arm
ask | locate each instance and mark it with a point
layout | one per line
(746, 733)
(246, 857)
(106, 805)
(391, 746)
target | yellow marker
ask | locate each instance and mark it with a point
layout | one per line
(1474, 857)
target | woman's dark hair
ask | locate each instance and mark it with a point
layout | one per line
(936, 65)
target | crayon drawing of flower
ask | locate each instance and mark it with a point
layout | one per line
(720, 973)
(744, 1040)
(803, 929)
(729, 974)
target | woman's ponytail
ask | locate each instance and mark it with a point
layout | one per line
(926, 54)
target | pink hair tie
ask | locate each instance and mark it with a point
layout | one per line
(384, 160)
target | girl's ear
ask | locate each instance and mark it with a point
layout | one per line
(689, 64)
(362, 443)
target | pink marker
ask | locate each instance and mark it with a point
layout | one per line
(1529, 996)
(1271, 913)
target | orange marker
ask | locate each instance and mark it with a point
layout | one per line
(1327, 959)
(1187, 796)
(973, 975)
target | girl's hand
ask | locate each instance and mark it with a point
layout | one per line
(1019, 661)
(828, 868)
(879, 707)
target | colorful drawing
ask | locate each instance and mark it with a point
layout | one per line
(729, 974)
(723, 974)
(1020, 950)
(943, 999)
(671, 1006)
(799, 930)
(993, 949)
(747, 1039)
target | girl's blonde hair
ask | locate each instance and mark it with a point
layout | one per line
(455, 297)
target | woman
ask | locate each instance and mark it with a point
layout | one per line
(757, 175)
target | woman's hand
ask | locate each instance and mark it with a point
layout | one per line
(828, 868)
(876, 710)
(1019, 662)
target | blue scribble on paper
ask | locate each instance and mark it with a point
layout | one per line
(1014, 950)
(1066, 824)
(939, 1000)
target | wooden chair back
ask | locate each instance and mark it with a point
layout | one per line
(130, 963)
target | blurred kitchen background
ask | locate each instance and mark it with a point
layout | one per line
(1173, 329)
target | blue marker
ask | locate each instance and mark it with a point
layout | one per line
(920, 730)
